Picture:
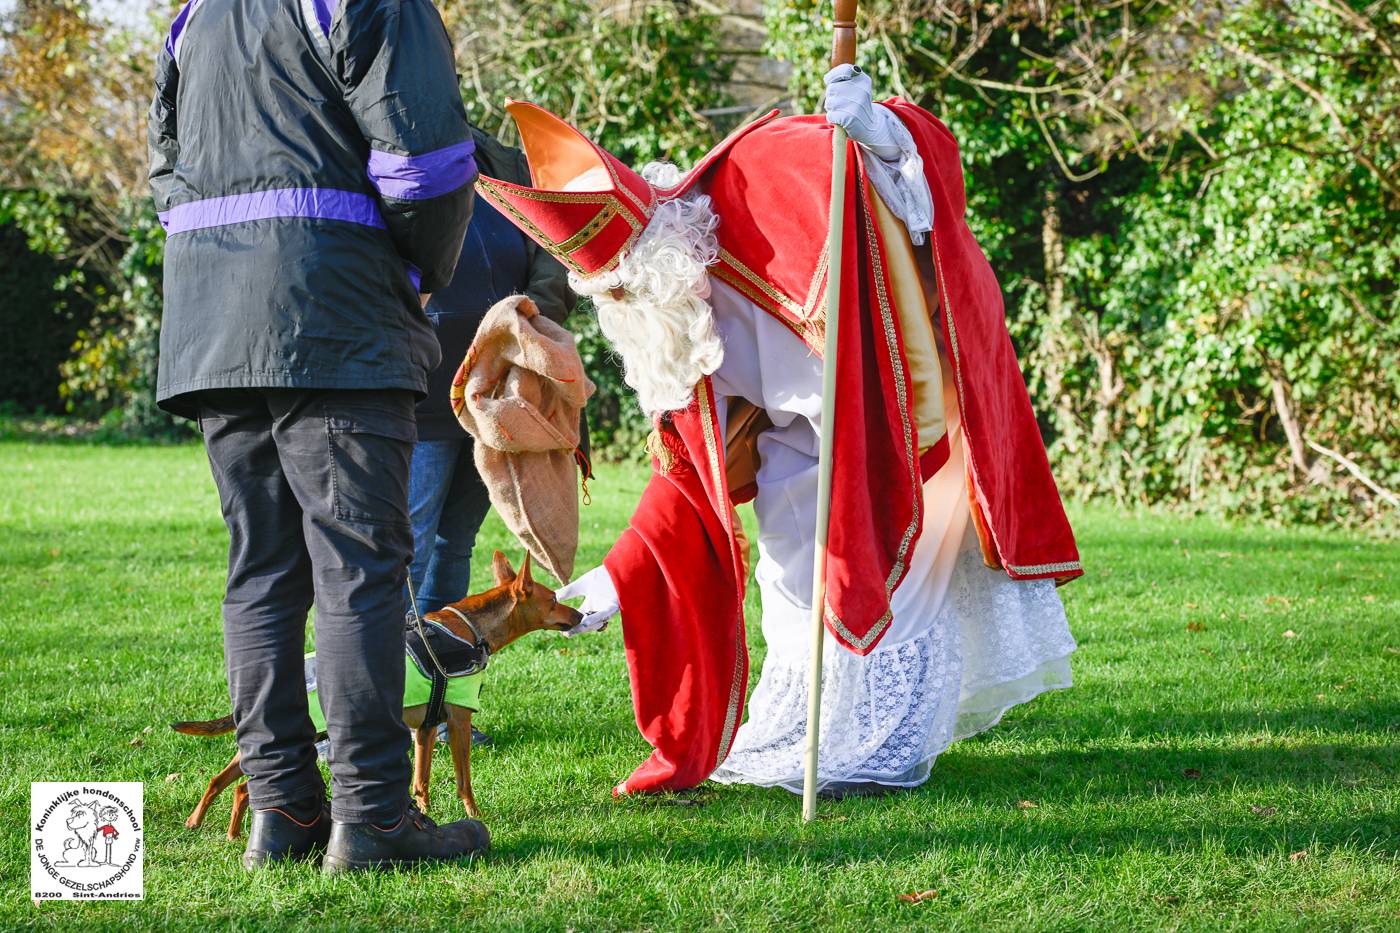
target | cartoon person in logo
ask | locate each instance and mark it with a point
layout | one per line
(108, 832)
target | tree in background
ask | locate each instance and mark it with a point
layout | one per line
(73, 179)
(636, 75)
(1195, 212)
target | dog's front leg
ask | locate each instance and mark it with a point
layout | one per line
(459, 739)
(424, 738)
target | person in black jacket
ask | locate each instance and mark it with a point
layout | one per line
(313, 167)
(447, 499)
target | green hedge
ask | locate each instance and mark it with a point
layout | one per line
(1194, 212)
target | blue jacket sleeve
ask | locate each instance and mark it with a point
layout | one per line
(395, 60)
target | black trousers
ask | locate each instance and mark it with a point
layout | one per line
(314, 490)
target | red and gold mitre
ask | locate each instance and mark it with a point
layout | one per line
(588, 230)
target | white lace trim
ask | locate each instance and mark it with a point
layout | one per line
(996, 643)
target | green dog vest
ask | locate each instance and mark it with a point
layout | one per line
(417, 688)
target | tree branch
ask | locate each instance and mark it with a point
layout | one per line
(1322, 101)
(1351, 467)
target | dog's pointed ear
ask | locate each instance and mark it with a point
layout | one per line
(500, 568)
(523, 581)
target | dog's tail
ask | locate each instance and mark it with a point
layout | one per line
(208, 727)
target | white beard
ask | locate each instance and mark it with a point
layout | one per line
(663, 326)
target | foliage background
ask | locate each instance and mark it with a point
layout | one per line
(1193, 208)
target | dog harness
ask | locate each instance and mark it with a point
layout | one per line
(442, 658)
(459, 683)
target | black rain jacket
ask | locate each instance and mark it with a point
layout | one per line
(312, 164)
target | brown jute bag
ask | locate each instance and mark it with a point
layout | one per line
(519, 392)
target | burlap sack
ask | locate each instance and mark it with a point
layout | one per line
(519, 393)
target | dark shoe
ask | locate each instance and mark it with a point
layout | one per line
(414, 838)
(279, 835)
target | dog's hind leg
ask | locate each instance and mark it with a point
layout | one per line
(424, 738)
(232, 772)
(459, 739)
(240, 810)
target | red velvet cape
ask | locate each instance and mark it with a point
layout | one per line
(1010, 473)
(676, 569)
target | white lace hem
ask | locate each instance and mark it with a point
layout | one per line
(887, 716)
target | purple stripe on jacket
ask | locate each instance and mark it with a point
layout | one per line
(312, 203)
(325, 14)
(416, 178)
(177, 29)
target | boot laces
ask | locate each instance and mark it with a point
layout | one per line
(420, 819)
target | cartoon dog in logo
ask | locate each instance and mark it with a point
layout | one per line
(82, 845)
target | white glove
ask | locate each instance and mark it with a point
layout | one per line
(897, 172)
(850, 103)
(600, 602)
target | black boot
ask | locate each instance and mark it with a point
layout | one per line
(280, 834)
(412, 838)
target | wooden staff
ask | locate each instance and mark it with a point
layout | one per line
(843, 52)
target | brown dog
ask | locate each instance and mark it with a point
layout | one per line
(516, 606)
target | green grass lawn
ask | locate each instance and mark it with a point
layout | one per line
(1229, 756)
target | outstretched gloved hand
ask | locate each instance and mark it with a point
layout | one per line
(600, 602)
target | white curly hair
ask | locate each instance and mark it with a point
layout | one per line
(653, 305)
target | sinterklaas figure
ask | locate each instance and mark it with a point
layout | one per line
(947, 533)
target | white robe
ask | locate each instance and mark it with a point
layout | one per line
(966, 642)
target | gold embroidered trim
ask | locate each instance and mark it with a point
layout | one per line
(495, 194)
(741, 285)
(1064, 567)
(589, 231)
(645, 206)
(600, 198)
(815, 292)
(777, 297)
(617, 256)
(492, 194)
(902, 395)
(813, 331)
(808, 321)
(736, 689)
